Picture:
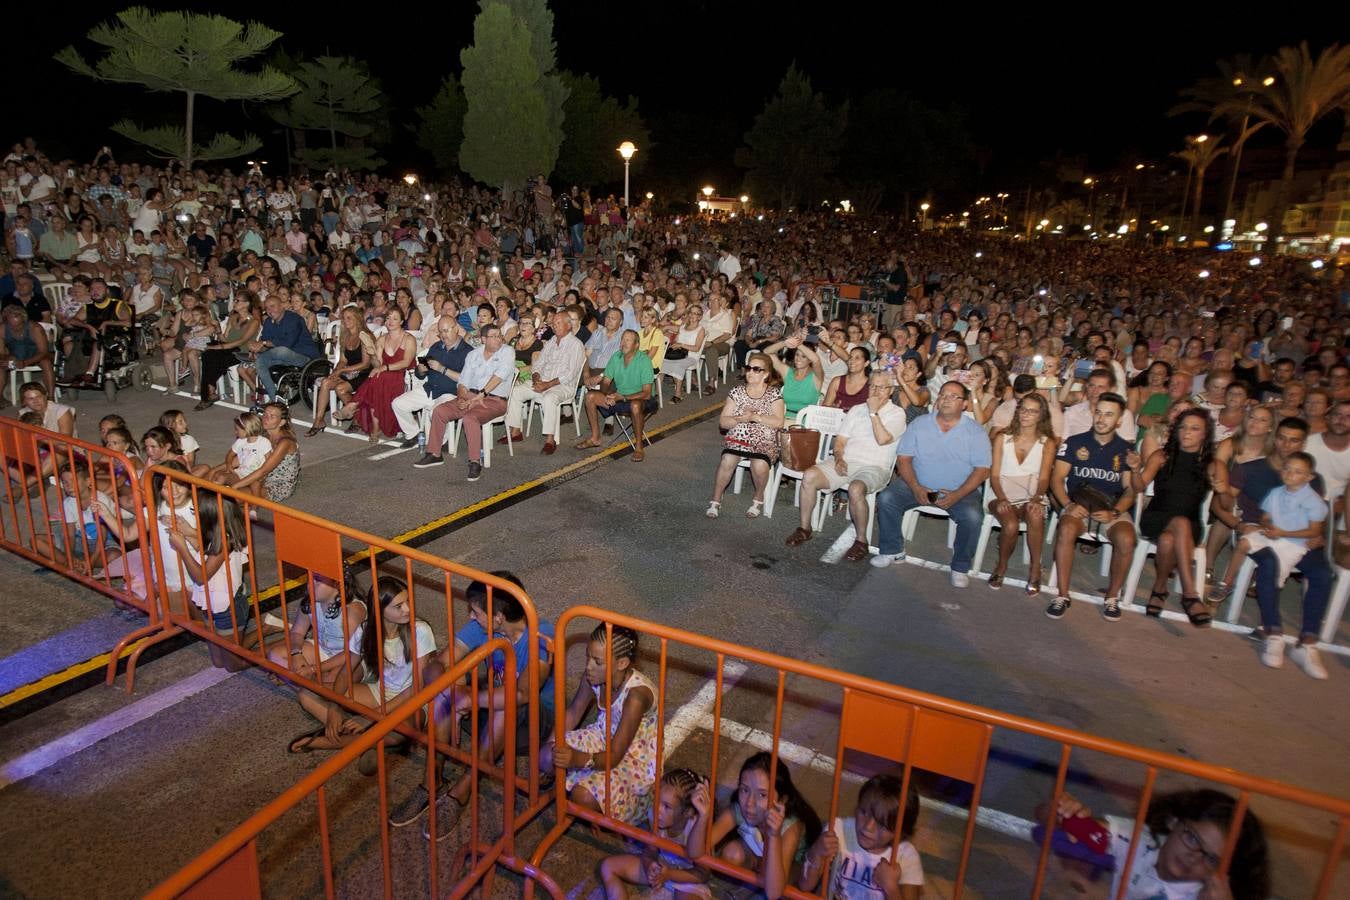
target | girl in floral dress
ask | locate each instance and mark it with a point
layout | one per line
(629, 716)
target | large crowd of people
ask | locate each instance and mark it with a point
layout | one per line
(1092, 393)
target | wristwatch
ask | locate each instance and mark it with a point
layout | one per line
(874, 415)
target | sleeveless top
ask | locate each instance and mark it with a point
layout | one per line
(280, 482)
(20, 346)
(1181, 492)
(846, 401)
(799, 393)
(1019, 480)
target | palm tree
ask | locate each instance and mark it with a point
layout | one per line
(1199, 154)
(1305, 90)
(1239, 80)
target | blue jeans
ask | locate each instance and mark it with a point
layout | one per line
(277, 356)
(897, 499)
(1318, 576)
(578, 238)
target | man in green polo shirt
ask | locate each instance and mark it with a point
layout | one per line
(627, 382)
(58, 246)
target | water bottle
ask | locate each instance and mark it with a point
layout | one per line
(422, 442)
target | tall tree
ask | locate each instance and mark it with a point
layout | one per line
(338, 97)
(936, 153)
(514, 100)
(1199, 155)
(1229, 96)
(440, 126)
(593, 127)
(195, 55)
(792, 147)
(1305, 91)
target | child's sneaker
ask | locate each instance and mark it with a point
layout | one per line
(1272, 651)
(1307, 658)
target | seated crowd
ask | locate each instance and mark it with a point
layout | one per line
(1102, 395)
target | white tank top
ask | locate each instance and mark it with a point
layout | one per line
(1020, 479)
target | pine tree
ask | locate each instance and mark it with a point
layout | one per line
(593, 127)
(336, 96)
(440, 130)
(514, 100)
(195, 55)
(793, 146)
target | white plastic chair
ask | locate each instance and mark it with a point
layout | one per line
(987, 528)
(1340, 594)
(56, 292)
(573, 403)
(50, 330)
(452, 438)
(826, 420)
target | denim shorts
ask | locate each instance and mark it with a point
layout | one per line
(243, 612)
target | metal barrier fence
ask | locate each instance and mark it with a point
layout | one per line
(77, 508)
(300, 551)
(231, 868)
(910, 728)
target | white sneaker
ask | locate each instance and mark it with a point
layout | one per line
(1272, 651)
(882, 560)
(1307, 658)
(960, 580)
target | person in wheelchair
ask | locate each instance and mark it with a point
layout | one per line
(284, 344)
(108, 325)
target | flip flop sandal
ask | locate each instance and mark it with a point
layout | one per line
(308, 737)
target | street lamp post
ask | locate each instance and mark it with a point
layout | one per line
(626, 150)
(1092, 199)
(1190, 172)
(923, 215)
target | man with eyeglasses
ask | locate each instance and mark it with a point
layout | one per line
(863, 457)
(484, 385)
(942, 459)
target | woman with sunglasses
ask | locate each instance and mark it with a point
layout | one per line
(752, 417)
(1180, 848)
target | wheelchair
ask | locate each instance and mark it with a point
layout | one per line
(296, 384)
(119, 366)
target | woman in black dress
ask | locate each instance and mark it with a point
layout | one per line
(1181, 474)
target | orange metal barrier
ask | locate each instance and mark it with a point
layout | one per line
(296, 549)
(231, 868)
(915, 730)
(34, 511)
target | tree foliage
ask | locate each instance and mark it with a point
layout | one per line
(898, 145)
(513, 99)
(792, 147)
(440, 126)
(593, 127)
(187, 53)
(338, 97)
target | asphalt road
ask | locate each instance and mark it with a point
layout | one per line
(141, 784)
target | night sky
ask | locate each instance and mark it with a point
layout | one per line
(1092, 82)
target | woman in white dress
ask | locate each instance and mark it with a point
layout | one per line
(1024, 454)
(688, 339)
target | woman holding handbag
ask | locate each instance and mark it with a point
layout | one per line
(1024, 456)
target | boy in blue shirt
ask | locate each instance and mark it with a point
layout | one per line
(451, 707)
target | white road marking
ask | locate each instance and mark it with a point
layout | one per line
(993, 819)
(394, 452)
(691, 714)
(53, 752)
(839, 547)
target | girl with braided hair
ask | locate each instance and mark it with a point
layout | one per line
(672, 819)
(627, 715)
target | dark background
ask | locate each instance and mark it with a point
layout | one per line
(1090, 83)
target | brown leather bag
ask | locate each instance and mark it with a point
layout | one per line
(798, 447)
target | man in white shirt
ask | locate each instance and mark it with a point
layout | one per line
(728, 264)
(1078, 418)
(339, 238)
(1331, 450)
(553, 379)
(862, 462)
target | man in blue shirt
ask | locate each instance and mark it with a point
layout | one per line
(942, 459)
(1090, 488)
(438, 378)
(284, 341)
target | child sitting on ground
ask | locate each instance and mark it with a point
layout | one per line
(862, 847)
(673, 818)
(769, 837)
(250, 449)
(1290, 515)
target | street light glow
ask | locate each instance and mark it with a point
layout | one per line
(745, 198)
(1268, 80)
(650, 195)
(1201, 138)
(410, 178)
(1317, 264)
(1254, 261)
(627, 149)
(923, 206)
(707, 190)
(1261, 226)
